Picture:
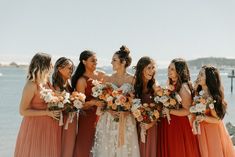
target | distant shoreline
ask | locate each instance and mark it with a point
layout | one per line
(220, 63)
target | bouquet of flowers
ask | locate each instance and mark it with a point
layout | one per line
(201, 103)
(116, 99)
(54, 100)
(76, 103)
(169, 98)
(145, 114)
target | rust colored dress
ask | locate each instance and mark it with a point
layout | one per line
(214, 140)
(149, 148)
(39, 136)
(86, 126)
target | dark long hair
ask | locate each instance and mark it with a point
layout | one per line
(183, 74)
(124, 55)
(138, 86)
(81, 67)
(213, 82)
(57, 79)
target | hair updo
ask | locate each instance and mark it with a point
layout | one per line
(123, 55)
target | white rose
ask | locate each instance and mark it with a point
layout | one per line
(211, 106)
(78, 104)
(200, 107)
(60, 105)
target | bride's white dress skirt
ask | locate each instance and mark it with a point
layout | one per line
(107, 135)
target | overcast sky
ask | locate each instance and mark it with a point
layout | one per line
(161, 29)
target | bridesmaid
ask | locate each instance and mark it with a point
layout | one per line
(145, 86)
(214, 139)
(176, 139)
(63, 70)
(82, 82)
(40, 133)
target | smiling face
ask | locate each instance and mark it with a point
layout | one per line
(91, 63)
(172, 74)
(116, 62)
(149, 71)
(66, 71)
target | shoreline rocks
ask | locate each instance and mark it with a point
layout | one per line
(231, 130)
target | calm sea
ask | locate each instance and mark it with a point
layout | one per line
(11, 84)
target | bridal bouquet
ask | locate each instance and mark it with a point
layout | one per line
(145, 114)
(169, 98)
(201, 103)
(116, 99)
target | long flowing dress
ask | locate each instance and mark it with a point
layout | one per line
(176, 139)
(69, 136)
(86, 126)
(107, 137)
(214, 140)
(40, 135)
(149, 148)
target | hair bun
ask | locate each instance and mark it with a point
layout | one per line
(124, 49)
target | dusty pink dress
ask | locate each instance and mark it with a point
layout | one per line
(214, 140)
(69, 137)
(39, 136)
(149, 148)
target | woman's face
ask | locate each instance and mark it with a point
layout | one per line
(172, 74)
(116, 62)
(149, 71)
(66, 71)
(91, 63)
(201, 78)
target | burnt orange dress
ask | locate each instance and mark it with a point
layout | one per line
(214, 140)
(39, 136)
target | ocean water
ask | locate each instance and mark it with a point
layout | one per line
(11, 84)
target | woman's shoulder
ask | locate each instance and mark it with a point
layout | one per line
(82, 80)
(185, 89)
(31, 86)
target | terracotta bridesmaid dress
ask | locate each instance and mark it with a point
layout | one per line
(39, 136)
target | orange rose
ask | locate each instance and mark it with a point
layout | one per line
(172, 101)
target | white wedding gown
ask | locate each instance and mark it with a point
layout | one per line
(107, 135)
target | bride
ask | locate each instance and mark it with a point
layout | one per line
(107, 137)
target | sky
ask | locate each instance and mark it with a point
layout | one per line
(161, 29)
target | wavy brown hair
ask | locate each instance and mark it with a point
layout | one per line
(183, 74)
(40, 64)
(57, 79)
(138, 86)
(213, 82)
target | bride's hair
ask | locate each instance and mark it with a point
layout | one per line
(124, 55)
(138, 86)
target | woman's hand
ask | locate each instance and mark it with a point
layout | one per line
(147, 126)
(98, 103)
(54, 114)
(165, 111)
